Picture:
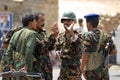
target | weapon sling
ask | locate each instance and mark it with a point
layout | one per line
(95, 58)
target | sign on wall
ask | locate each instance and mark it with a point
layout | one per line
(6, 22)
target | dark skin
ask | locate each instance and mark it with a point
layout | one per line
(54, 29)
(85, 54)
(32, 25)
(68, 25)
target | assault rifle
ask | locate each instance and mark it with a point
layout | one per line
(18, 74)
(106, 54)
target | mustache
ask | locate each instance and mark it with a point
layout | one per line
(43, 25)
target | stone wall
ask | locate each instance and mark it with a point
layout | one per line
(49, 7)
(109, 23)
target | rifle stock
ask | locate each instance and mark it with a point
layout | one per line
(18, 74)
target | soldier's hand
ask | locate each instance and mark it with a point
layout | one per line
(12, 68)
(83, 73)
(24, 68)
(54, 29)
(70, 29)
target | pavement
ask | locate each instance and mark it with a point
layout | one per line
(114, 71)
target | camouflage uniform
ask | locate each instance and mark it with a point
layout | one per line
(70, 56)
(93, 37)
(5, 40)
(22, 44)
(42, 62)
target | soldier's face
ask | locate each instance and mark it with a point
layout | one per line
(67, 22)
(33, 24)
(80, 24)
(41, 21)
(88, 26)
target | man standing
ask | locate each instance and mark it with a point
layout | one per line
(22, 46)
(71, 49)
(80, 28)
(44, 45)
(98, 46)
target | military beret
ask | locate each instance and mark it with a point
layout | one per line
(91, 16)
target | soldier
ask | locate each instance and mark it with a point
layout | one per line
(5, 42)
(22, 46)
(6, 38)
(71, 49)
(97, 44)
(44, 45)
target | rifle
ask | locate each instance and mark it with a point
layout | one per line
(18, 74)
(106, 54)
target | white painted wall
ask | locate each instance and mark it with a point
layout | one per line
(116, 40)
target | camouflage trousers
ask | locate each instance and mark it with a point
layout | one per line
(97, 74)
(70, 78)
(44, 66)
(7, 77)
(70, 73)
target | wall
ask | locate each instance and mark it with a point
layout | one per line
(49, 7)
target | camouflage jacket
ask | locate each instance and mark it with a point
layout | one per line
(44, 44)
(91, 40)
(70, 50)
(21, 48)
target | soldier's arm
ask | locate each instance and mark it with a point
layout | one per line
(112, 46)
(10, 49)
(114, 51)
(84, 58)
(85, 54)
(83, 64)
(51, 41)
(52, 38)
